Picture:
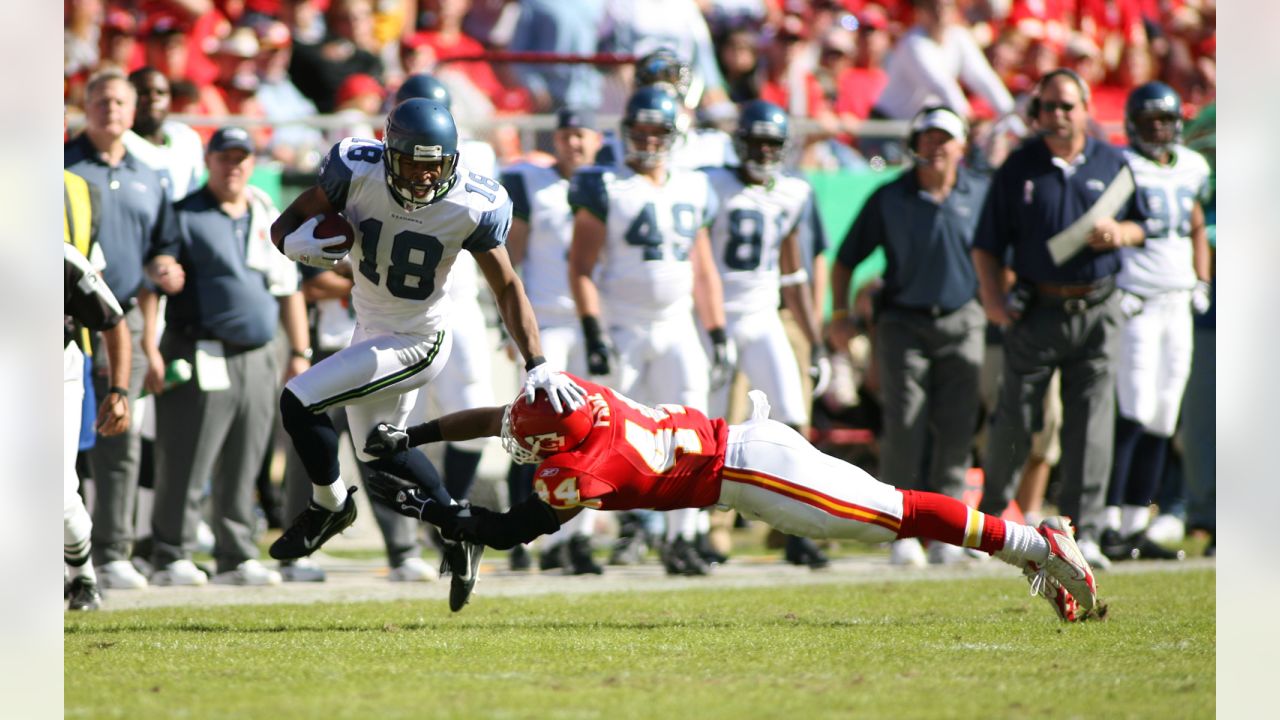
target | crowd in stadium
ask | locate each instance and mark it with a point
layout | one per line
(1015, 333)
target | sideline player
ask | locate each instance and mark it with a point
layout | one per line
(414, 208)
(87, 303)
(641, 255)
(1163, 279)
(614, 453)
(755, 242)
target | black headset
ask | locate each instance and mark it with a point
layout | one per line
(1033, 108)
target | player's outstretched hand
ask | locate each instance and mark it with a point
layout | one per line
(1201, 297)
(386, 440)
(561, 390)
(402, 496)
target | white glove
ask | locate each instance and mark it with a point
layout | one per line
(1201, 297)
(560, 388)
(819, 369)
(303, 246)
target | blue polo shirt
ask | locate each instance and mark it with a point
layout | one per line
(926, 243)
(223, 299)
(1032, 199)
(133, 214)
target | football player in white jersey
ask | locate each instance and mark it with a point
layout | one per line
(641, 257)
(465, 380)
(1164, 280)
(754, 239)
(414, 208)
(693, 148)
(541, 231)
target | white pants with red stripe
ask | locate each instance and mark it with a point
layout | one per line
(772, 473)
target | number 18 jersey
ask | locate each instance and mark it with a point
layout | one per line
(401, 258)
(636, 456)
(645, 273)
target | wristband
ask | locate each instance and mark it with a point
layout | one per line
(591, 327)
(534, 362)
(117, 390)
(718, 336)
(427, 432)
(839, 314)
(798, 277)
(304, 354)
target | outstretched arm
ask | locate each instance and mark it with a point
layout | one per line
(386, 440)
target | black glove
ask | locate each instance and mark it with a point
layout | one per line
(599, 349)
(400, 495)
(386, 440)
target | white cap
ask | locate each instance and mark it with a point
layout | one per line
(939, 118)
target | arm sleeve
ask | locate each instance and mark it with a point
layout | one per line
(587, 190)
(867, 233)
(977, 73)
(335, 178)
(491, 231)
(513, 181)
(503, 531)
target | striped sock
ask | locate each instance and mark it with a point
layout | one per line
(939, 517)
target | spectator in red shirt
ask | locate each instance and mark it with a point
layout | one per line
(448, 41)
(859, 85)
(787, 83)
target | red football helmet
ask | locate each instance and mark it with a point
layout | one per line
(533, 431)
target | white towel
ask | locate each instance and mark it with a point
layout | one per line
(261, 254)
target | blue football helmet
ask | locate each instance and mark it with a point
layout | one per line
(761, 139)
(653, 105)
(1146, 107)
(664, 66)
(421, 132)
(423, 85)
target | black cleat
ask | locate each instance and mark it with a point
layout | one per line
(549, 558)
(578, 557)
(312, 528)
(462, 562)
(519, 559)
(708, 552)
(680, 558)
(803, 551)
(1144, 548)
(1115, 547)
(84, 594)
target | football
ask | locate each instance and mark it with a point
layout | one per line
(333, 225)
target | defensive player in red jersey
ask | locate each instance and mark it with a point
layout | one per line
(613, 453)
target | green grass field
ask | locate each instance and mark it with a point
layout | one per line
(976, 647)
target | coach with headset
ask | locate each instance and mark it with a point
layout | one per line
(929, 325)
(1058, 209)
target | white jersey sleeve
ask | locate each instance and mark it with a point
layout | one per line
(403, 258)
(644, 272)
(747, 235)
(1168, 195)
(540, 197)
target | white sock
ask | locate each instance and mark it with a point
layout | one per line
(1133, 519)
(1111, 517)
(330, 497)
(1022, 543)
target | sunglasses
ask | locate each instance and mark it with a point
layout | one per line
(1049, 106)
